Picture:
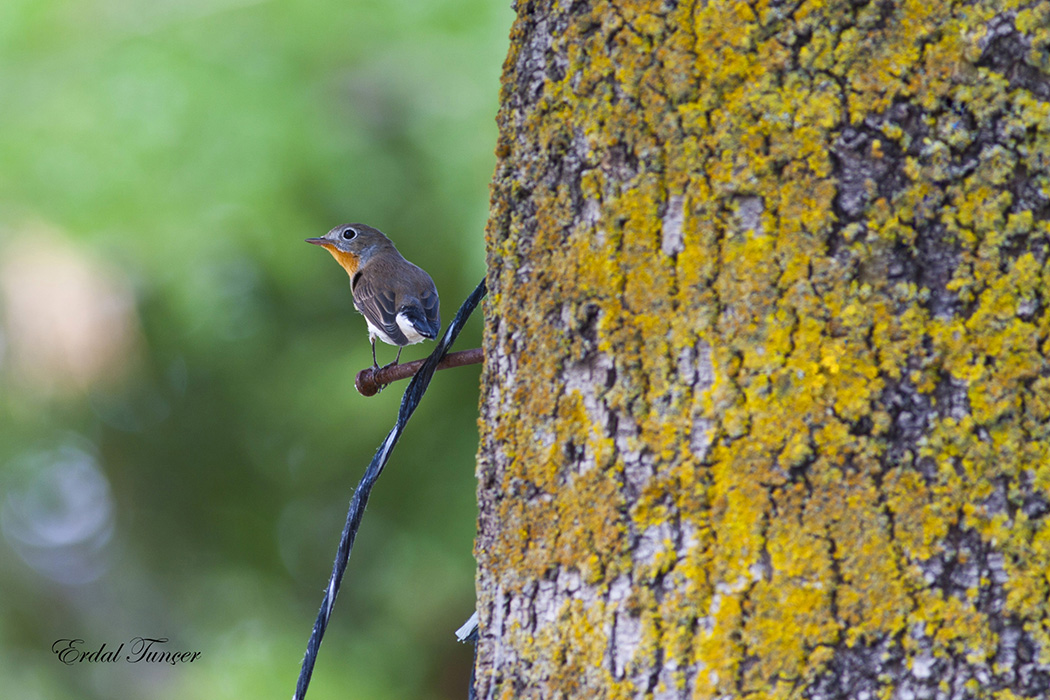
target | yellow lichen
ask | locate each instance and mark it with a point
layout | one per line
(806, 531)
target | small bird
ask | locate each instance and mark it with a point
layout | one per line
(398, 299)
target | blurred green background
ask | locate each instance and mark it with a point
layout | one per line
(179, 432)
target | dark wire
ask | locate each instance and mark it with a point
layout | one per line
(413, 394)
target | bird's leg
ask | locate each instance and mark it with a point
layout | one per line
(397, 359)
(375, 363)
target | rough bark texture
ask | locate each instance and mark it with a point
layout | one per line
(765, 410)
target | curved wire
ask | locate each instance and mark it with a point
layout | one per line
(413, 394)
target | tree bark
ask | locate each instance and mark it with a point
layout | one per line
(766, 398)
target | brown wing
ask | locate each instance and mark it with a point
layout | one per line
(378, 305)
(430, 306)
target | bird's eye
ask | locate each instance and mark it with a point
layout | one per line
(349, 234)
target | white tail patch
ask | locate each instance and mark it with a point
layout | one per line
(408, 329)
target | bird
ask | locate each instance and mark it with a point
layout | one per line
(398, 299)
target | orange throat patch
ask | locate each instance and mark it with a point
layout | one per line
(348, 261)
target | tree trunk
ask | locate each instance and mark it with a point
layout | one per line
(765, 409)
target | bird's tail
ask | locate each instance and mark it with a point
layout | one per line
(425, 327)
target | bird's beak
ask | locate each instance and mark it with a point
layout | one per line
(317, 241)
